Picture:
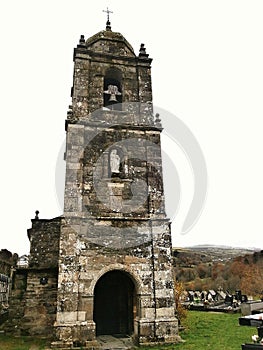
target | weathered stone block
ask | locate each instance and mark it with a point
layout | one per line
(148, 313)
(81, 316)
(67, 317)
(165, 312)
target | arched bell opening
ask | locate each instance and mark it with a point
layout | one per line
(115, 306)
(113, 89)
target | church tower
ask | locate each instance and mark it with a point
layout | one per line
(115, 271)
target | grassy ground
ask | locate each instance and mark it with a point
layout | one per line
(203, 330)
(21, 343)
(217, 331)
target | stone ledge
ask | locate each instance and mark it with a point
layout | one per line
(89, 345)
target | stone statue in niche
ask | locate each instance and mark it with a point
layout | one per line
(114, 162)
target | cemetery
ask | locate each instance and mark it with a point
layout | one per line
(211, 300)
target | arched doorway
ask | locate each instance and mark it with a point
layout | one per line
(114, 305)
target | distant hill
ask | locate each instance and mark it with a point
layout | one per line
(225, 247)
(214, 252)
(212, 267)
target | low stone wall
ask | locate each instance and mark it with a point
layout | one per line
(16, 303)
(33, 296)
(40, 303)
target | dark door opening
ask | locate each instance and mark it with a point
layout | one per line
(114, 304)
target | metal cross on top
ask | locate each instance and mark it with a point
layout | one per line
(108, 13)
(108, 27)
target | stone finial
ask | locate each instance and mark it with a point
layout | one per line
(158, 120)
(142, 52)
(108, 26)
(36, 212)
(82, 41)
(69, 112)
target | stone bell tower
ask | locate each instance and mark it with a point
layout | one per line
(115, 272)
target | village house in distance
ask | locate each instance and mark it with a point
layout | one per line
(104, 267)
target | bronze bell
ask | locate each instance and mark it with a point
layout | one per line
(113, 98)
(113, 92)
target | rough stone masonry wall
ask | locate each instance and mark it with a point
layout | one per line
(166, 322)
(88, 191)
(142, 169)
(7, 263)
(16, 303)
(40, 303)
(7, 260)
(41, 292)
(85, 260)
(95, 239)
(81, 265)
(91, 63)
(44, 243)
(33, 298)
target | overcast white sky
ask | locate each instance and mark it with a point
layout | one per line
(207, 70)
